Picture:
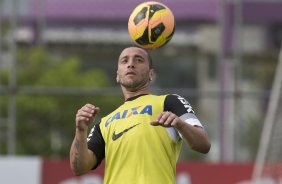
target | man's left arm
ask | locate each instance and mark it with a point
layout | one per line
(179, 114)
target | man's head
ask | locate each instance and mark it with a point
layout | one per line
(134, 68)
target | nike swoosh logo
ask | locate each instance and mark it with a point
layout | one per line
(116, 136)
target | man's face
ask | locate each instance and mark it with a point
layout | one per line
(133, 68)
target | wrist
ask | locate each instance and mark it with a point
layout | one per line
(81, 129)
(179, 125)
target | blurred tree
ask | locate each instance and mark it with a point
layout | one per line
(260, 70)
(252, 136)
(45, 123)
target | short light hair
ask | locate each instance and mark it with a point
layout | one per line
(149, 59)
(148, 55)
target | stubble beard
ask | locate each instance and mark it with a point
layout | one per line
(134, 85)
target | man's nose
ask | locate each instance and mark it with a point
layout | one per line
(130, 64)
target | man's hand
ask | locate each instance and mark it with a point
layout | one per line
(167, 119)
(195, 136)
(85, 116)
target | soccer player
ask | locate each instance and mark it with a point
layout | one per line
(141, 139)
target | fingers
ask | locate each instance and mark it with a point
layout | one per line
(86, 114)
(166, 119)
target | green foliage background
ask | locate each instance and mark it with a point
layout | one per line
(45, 123)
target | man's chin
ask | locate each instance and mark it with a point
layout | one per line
(133, 85)
(130, 86)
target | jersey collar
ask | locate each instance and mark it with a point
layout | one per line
(134, 97)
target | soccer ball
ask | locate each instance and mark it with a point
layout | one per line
(151, 25)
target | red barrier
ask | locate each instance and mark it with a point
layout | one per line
(209, 173)
(58, 172)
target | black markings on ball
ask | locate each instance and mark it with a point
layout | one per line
(140, 15)
(157, 31)
(154, 8)
(144, 39)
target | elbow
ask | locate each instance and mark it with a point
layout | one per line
(81, 166)
(77, 172)
(77, 169)
(206, 148)
(203, 148)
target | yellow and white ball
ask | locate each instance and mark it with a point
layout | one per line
(151, 25)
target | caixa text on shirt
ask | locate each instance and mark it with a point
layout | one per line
(130, 112)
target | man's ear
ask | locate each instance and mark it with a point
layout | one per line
(151, 74)
(117, 78)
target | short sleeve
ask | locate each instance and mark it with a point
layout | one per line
(181, 107)
(96, 144)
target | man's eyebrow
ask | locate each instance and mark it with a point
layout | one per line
(124, 57)
(135, 56)
(139, 56)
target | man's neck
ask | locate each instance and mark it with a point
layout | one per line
(131, 93)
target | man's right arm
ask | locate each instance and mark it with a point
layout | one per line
(82, 159)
